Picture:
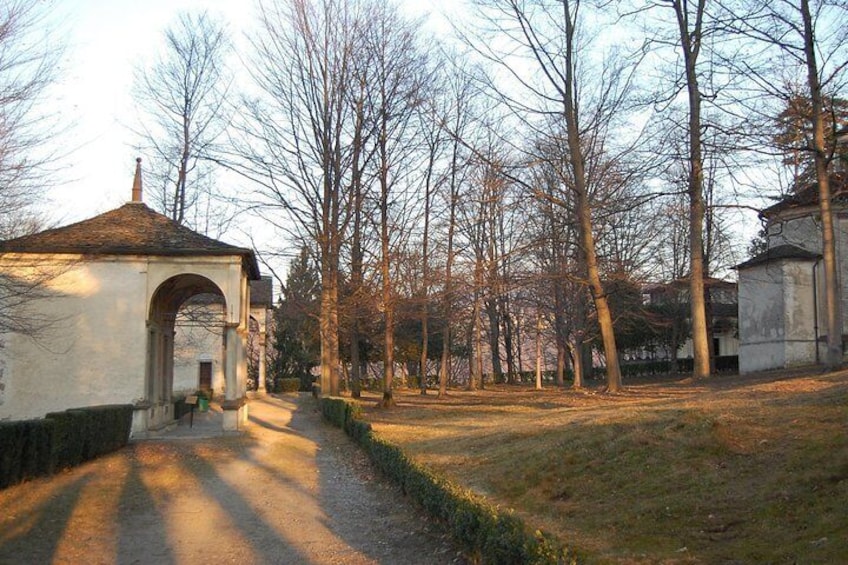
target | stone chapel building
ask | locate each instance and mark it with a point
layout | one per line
(104, 297)
(781, 291)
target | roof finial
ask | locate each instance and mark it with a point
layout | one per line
(136, 189)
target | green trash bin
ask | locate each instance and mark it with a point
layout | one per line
(203, 404)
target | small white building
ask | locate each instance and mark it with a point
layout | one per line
(198, 338)
(781, 291)
(103, 300)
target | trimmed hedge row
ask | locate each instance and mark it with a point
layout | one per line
(32, 448)
(288, 385)
(485, 533)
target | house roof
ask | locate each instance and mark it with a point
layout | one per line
(132, 229)
(709, 282)
(262, 292)
(778, 253)
(808, 196)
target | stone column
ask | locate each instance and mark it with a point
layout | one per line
(261, 388)
(231, 403)
(231, 342)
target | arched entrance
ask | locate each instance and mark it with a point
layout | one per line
(182, 300)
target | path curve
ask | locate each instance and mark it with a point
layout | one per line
(289, 490)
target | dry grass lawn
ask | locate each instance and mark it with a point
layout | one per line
(733, 470)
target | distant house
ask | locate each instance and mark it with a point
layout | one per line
(671, 300)
(781, 290)
(110, 296)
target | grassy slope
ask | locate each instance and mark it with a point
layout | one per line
(735, 470)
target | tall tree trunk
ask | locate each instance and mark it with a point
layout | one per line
(559, 331)
(494, 340)
(538, 351)
(444, 370)
(560, 363)
(507, 332)
(329, 328)
(690, 42)
(583, 211)
(578, 345)
(182, 174)
(357, 149)
(476, 380)
(576, 350)
(425, 299)
(388, 299)
(478, 319)
(833, 299)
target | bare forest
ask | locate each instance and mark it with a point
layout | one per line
(485, 200)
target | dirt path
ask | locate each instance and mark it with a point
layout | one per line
(290, 490)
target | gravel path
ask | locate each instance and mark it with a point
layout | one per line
(289, 490)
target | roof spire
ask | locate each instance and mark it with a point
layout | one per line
(136, 189)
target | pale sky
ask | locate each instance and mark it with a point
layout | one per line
(105, 40)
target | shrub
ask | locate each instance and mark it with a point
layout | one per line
(85, 433)
(288, 385)
(485, 533)
(32, 448)
(26, 450)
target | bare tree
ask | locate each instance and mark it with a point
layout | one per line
(294, 139)
(809, 37)
(395, 84)
(455, 119)
(29, 63)
(548, 36)
(689, 20)
(183, 95)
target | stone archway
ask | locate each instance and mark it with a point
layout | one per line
(164, 308)
(162, 315)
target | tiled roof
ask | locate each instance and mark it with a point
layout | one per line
(132, 229)
(778, 253)
(809, 196)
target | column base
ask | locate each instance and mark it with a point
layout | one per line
(235, 415)
(140, 420)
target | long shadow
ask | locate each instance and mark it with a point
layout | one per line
(246, 516)
(49, 522)
(380, 509)
(268, 425)
(136, 514)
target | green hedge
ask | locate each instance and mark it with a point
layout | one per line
(288, 385)
(31, 448)
(485, 533)
(26, 450)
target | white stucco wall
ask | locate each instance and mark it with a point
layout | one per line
(776, 320)
(95, 350)
(800, 318)
(760, 318)
(193, 345)
(803, 232)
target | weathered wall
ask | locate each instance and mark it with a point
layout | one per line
(95, 349)
(799, 317)
(93, 352)
(776, 316)
(761, 311)
(191, 346)
(803, 232)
